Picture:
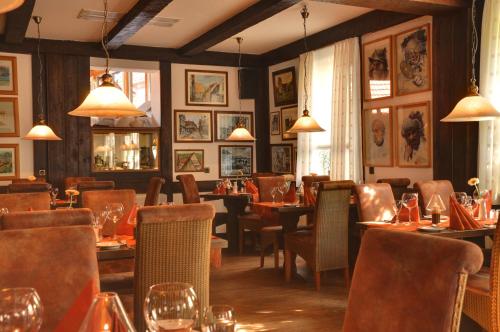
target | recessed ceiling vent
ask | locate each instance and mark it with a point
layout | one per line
(113, 17)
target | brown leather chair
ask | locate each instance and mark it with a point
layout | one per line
(265, 184)
(375, 201)
(60, 263)
(189, 188)
(397, 287)
(25, 201)
(50, 218)
(154, 189)
(84, 186)
(399, 186)
(426, 189)
(71, 182)
(32, 187)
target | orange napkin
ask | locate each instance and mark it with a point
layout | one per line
(291, 195)
(309, 199)
(460, 219)
(124, 227)
(219, 190)
(252, 189)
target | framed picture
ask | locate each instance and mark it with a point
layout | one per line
(235, 160)
(413, 61)
(377, 137)
(413, 135)
(377, 69)
(9, 117)
(226, 122)
(206, 88)
(193, 126)
(275, 123)
(189, 161)
(8, 75)
(9, 161)
(288, 118)
(284, 87)
(282, 158)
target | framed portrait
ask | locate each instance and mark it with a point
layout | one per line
(193, 126)
(284, 87)
(377, 137)
(9, 161)
(189, 160)
(226, 122)
(275, 123)
(413, 61)
(282, 158)
(206, 88)
(9, 117)
(235, 160)
(288, 118)
(377, 69)
(8, 75)
(413, 135)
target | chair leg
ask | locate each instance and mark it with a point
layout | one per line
(241, 240)
(276, 247)
(347, 277)
(262, 253)
(288, 265)
(317, 280)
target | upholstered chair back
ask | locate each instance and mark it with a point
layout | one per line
(399, 186)
(73, 181)
(266, 184)
(189, 188)
(427, 188)
(308, 180)
(84, 186)
(32, 187)
(375, 201)
(26, 180)
(48, 218)
(154, 189)
(404, 281)
(25, 201)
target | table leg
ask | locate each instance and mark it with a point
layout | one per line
(289, 222)
(234, 209)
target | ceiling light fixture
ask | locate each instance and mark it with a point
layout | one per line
(305, 124)
(473, 107)
(240, 133)
(40, 131)
(107, 100)
(9, 5)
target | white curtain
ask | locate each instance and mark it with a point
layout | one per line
(489, 87)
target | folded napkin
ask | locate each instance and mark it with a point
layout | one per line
(219, 190)
(460, 219)
(291, 195)
(252, 189)
(125, 226)
(309, 198)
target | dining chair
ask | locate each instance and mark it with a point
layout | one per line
(32, 187)
(25, 201)
(189, 188)
(308, 181)
(399, 186)
(26, 180)
(71, 182)
(154, 189)
(405, 281)
(60, 263)
(325, 246)
(426, 189)
(84, 186)
(375, 201)
(49, 218)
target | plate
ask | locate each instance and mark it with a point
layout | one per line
(109, 244)
(430, 229)
(374, 222)
(291, 204)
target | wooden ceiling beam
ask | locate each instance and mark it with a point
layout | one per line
(17, 22)
(137, 17)
(254, 14)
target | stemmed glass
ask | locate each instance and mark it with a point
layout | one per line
(397, 208)
(20, 309)
(410, 201)
(469, 205)
(114, 212)
(274, 191)
(218, 318)
(461, 197)
(53, 195)
(106, 314)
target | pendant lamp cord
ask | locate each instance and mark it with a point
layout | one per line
(474, 42)
(41, 116)
(104, 36)
(239, 40)
(305, 15)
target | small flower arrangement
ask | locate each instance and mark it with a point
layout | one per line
(71, 193)
(474, 182)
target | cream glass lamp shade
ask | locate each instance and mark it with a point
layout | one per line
(240, 134)
(8, 5)
(41, 132)
(474, 107)
(305, 124)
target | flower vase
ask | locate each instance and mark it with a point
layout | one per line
(481, 203)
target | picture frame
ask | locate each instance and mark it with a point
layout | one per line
(378, 137)
(284, 87)
(413, 61)
(288, 117)
(225, 122)
(282, 158)
(206, 88)
(275, 123)
(413, 134)
(235, 161)
(377, 69)
(8, 75)
(9, 117)
(189, 160)
(9, 161)
(192, 126)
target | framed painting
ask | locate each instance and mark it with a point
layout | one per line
(189, 160)
(413, 135)
(284, 87)
(235, 160)
(9, 117)
(9, 161)
(377, 137)
(377, 69)
(206, 88)
(193, 126)
(8, 75)
(226, 122)
(288, 118)
(413, 61)
(282, 158)
(275, 123)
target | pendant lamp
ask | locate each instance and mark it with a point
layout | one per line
(9, 5)
(305, 124)
(240, 133)
(473, 107)
(40, 131)
(107, 100)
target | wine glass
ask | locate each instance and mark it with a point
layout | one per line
(398, 204)
(53, 195)
(469, 205)
(410, 201)
(461, 197)
(218, 318)
(106, 313)
(20, 309)
(114, 212)
(274, 191)
(171, 307)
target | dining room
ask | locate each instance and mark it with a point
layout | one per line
(249, 165)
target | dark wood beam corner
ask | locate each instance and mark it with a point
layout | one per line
(137, 17)
(17, 22)
(254, 14)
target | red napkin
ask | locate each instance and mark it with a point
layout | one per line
(309, 199)
(460, 219)
(124, 227)
(252, 189)
(291, 195)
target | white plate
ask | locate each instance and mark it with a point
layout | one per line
(374, 222)
(430, 229)
(109, 244)
(291, 204)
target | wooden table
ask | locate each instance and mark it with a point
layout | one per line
(288, 215)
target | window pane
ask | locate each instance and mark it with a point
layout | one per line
(139, 93)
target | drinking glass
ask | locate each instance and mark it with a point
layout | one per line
(114, 212)
(53, 195)
(218, 318)
(280, 189)
(461, 197)
(3, 211)
(20, 310)
(314, 188)
(274, 191)
(410, 201)
(106, 314)
(469, 205)
(171, 307)
(397, 208)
